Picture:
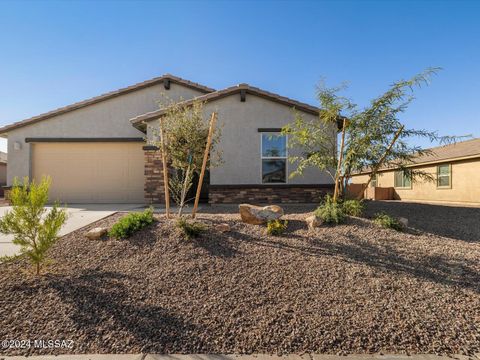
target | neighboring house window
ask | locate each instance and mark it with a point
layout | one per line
(374, 181)
(274, 158)
(403, 179)
(444, 176)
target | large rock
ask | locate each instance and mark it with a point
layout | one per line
(96, 233)
(223, 227)
(313, 221)
(257, 215)
(403, 221)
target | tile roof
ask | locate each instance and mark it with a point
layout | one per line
(106, 96)
(458, 150)
(226, 92)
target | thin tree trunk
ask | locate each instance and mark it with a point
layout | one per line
(380, 163)
(184, 191)
(340, 158)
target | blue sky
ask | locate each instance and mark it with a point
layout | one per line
(56, 53)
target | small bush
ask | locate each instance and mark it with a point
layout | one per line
(331, 212)
(34, 227)
(353, 207)
(276, 227)
(133, 222)
(189, 229)
(384, 220)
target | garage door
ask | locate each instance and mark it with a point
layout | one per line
(91, 172)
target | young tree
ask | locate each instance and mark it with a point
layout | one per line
(186, 133)
(35, 229)
(372, 137)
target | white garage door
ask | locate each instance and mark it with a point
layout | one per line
(91, 172)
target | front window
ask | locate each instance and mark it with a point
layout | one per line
(274, 158)
(374, 181)
(444, 175)
(403, 179)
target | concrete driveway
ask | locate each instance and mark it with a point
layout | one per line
(78, 216)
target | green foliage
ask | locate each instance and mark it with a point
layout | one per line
(34, 227)
(276, 227)
(384, 220)
(331, 212)
(369, 132)
(185, 136)
(131, 223)
(190, 229)
(353, 207)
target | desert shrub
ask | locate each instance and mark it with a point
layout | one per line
(384, 220)
(353, 207)
(190, 229)
(331, 212)
(34, 228)
(133, 222)
(276, 227)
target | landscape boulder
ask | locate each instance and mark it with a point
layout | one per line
(257, 215)
(224, 227)
(403, 221)
(313, 221)
(96, 233)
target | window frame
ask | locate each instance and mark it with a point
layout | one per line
(374, 179)
(403, 181)
(449, 186)
(273, 157)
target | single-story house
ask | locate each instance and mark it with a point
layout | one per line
(3, 171)
(97, 150)
(454, 169)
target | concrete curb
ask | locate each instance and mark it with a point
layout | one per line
(240, 357)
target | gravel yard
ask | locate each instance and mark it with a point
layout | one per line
(354, 288)
(456, 222)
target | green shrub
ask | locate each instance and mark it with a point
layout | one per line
(276, 227)
(331, 212)
(33, 228)
(384, 220)
(190, 229)
(353, 207)
(131, 223)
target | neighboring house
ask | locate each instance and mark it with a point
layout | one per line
(3, 171)
(455, 170)
(96, 150)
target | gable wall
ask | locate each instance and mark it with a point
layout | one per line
(109, 118)
(240, 140)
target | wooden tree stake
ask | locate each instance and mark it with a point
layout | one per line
(165, 171)
(213, 119)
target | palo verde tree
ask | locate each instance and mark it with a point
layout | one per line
(371, 138)
(34, 227)
(185, 136)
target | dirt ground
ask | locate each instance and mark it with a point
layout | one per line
(354, 288)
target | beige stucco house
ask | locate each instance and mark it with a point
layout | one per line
(97, 150)
(454, 168)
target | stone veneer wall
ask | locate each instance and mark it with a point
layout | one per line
(154, 191)
(289, 194)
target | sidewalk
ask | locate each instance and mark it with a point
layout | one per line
(239, 357)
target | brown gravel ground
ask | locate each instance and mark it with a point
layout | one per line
(354, 288)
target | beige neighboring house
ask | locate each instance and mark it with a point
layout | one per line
(96, 151)
(455, 169)
(3, 170)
